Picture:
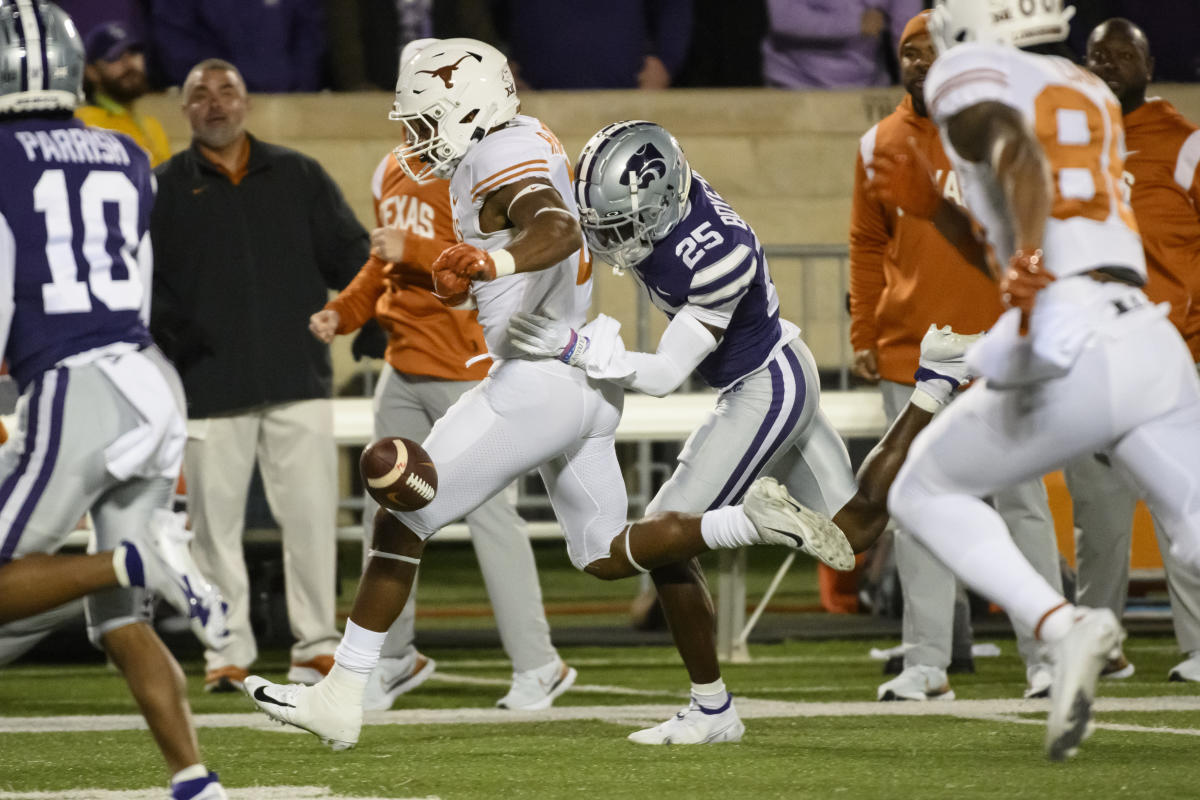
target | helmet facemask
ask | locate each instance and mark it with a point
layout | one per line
(448, 96)
(632, 190)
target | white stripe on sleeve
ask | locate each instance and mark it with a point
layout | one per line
(1189, 158)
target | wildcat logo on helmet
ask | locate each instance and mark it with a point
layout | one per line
(647, 163)
(447, 72)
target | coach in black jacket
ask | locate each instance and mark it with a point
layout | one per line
(248, 237)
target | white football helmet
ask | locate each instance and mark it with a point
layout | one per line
(449, 95)
(1019, 23)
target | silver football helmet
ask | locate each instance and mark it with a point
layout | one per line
(449, 94)
(1019, 23)
(41, 58)
(631, 184)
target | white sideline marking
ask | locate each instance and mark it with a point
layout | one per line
(471, 680)
(1102, 726)
(249, 793)
(748, 708)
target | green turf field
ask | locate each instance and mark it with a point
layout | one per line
(810, 733)
(813, 730)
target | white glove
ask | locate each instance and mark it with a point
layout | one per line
(546, 337)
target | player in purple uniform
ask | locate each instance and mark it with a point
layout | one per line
(644, 209)
(100, 426)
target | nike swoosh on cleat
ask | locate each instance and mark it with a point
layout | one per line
(793, 536)
(261, 694)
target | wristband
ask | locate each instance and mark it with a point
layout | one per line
(503, 262)
(576, 346)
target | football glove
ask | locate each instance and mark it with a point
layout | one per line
(457, 266)
(1026, 276)
(545, 337)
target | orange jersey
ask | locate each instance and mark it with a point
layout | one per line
(425, 337)
(904, 276)
(1162, 169)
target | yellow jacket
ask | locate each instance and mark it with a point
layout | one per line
(145, 130)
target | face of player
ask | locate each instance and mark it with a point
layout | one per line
(1120, 58)
(124, 79)
(215, 103)
(916, 57)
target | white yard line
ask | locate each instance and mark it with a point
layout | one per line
(1102, 726)
(748, 708)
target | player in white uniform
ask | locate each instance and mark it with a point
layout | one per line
(1038, 145)
(511, 193)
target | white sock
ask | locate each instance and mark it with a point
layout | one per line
(190, 773)
(1057, 623)
(710, 695)
(970, 538)
(727, 528)
(359, 649)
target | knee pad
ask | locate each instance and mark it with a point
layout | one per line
(110, 609)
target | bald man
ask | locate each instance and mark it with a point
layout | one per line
(1164, 190)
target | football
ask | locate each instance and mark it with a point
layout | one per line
(398, 474)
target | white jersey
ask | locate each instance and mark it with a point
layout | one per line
(525, 148)
(1077, 121)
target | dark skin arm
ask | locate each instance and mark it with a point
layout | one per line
(542, 239)
(997, 135)
(865, 516)
(956, 227)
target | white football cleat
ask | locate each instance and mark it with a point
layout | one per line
(536, 689)
(393, 677)
(1095, 636)
(779, 519)
(331, 715)
(943, 356)
(169, 571)
(918, 682)
(1188, 670)
(695, 725)
(1039, 678)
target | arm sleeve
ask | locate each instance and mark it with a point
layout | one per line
(868, 242)
(683, 345)
(178, 37)
(356, 303)
(340, 243)
(814, 19)
(672, 32)
(1187, 169)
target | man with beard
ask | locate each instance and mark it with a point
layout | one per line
(1163, 184)
(114, 79)
(906, 274)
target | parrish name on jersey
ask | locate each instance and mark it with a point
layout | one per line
(74, 253)
(713, 264)
(73, 146)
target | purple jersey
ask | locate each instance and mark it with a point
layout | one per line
(713, 263)
(74, 249)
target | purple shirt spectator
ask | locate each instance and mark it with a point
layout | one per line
(562, 45)
(821, 44)
(90, 14)
(278, 45)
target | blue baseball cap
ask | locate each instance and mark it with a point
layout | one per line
(110, 41)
